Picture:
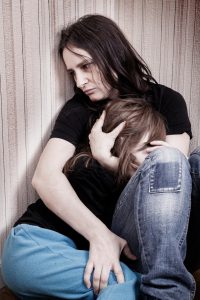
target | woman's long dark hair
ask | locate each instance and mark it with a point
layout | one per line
(141, 119)
(120, 65)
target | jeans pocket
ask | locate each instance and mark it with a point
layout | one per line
(165, 177)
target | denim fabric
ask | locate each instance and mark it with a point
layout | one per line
(193, 253)
(38, 263)
(152, 214)
(195, 173)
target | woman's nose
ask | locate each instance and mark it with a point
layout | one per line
(81, 80)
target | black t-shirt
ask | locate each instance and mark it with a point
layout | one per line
(95, 186)
(72, 122)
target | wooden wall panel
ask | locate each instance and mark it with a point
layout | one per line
(34, 84)
(9, 119)
(3, 134)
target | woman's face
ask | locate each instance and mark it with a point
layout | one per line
(86, 74)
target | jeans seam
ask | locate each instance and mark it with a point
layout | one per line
(185, 228)
(140, 237)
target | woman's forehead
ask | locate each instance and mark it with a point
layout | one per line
(79, 52)
(73, 55)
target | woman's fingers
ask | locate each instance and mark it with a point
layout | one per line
(99, 122)
(104, 277)
(116, 131)
(159, 143)
(151, 149)
(118, 273)
(87, 274)
(97, 279)
(156, 144)
(127, 252)
(104, 257)
(101, 275)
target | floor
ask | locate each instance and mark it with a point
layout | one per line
(6, 294)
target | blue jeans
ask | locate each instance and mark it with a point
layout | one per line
(152, 214)
(193, 252)
(38, 263)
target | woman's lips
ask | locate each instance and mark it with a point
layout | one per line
(89, 91)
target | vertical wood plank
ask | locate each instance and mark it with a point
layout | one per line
(69, 16)
(3, 135)
(151, 38)
(45, 69)
(167, 42)
(137, 25)
(21, 161)
(59, 88)
(179, 44)
(32, 87)
(101, 7)
(9, 117)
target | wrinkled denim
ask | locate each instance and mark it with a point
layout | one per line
(152, 214)
(39, 263)
(193, 253)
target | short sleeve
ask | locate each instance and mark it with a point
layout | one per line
(173, 107)
(71, 123)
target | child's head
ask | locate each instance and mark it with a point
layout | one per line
(143, 125)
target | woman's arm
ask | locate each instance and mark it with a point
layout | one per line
(180, 141)
(59, 196)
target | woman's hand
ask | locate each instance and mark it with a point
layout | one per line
(104, 257)
(156, 144)
(179, 141)
(101, 143)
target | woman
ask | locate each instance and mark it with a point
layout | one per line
(104, 65)
(130, 149)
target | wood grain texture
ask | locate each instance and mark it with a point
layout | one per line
(34, 84)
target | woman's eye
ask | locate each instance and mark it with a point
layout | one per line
(71, 73)
(86, 66)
